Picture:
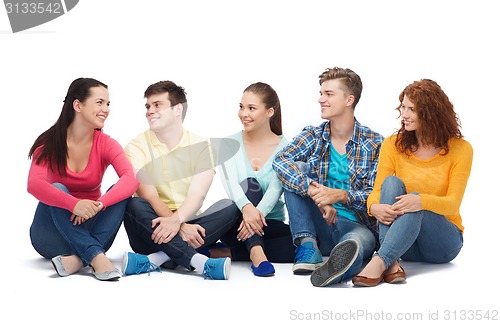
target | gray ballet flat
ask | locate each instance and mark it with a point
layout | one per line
(58, 265)
(112, 275)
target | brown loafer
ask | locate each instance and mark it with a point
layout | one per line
(362, 281)
(396, 277)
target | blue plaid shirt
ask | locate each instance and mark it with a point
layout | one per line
(312, 146)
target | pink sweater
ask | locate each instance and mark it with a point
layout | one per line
(87, 184)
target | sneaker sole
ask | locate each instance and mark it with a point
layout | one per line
(305, 268)
(124, 263)
(340, 260)
(227, 267)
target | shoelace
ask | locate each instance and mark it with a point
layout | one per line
(147, 266)
(207, 270)
(303, 253)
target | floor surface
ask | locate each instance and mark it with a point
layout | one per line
(33, 292)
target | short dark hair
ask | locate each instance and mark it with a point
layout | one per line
(176, 94)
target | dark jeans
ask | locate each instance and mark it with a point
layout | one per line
(52, 233)
(276, 241)
(216, 220)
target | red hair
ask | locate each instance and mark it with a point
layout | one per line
(438, 120)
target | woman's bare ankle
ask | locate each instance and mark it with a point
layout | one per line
(257, 255)
(100, 263)
(374, 269)
(72, 264)
(394, 267)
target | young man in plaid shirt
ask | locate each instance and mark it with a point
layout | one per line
(328, 172)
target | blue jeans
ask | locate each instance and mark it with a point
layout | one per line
(421, 236)
(306, 220)
(276, 241)
(52, 233)
(216, 220)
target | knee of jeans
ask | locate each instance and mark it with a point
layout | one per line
(250, 184)
(60, 186)
(392, 181)
(226, 205)
(135, 203)
(231, 208)
(366, 244)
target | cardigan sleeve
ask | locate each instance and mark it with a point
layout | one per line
(386, 167)
(229, 172)
(459, 173)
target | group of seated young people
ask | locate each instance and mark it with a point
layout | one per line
(363, 201)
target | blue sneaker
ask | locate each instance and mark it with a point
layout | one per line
(307, 259)
(217, 269)
(135, 263)
(335, 269)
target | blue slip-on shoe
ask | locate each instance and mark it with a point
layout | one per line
(307, 259)
(135, 263)
(335, 268)
(217, 269)
(264, 269)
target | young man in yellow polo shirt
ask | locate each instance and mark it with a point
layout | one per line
(175, 169)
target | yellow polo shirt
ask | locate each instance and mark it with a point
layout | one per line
(170, 171)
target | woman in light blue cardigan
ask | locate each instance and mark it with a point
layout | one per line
(249, 180)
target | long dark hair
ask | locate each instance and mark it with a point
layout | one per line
(55, 149)
(271, 100)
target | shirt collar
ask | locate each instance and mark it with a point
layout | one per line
(184, 142)
(356, 134)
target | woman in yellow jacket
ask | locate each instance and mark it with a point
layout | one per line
(421, 178)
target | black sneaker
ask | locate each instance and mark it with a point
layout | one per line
(340, 260)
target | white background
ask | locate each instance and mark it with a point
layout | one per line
(215, 49)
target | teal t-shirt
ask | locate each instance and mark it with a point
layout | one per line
(338, 178)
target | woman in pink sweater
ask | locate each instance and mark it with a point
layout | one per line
(421, 178)
(74, 224)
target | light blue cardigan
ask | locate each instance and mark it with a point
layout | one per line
(238, 168)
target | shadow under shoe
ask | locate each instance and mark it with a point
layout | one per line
(340, 260)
